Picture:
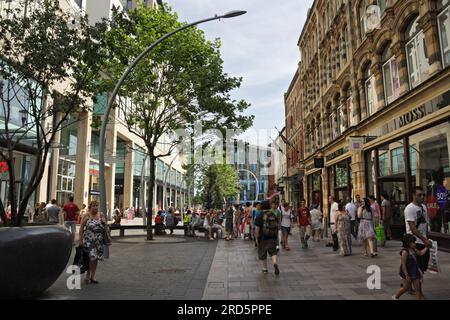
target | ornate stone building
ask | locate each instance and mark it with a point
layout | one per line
(376, 71)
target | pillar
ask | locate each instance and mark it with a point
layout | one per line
(358, 174)
(110, 174)
(128, 176)
(82, 159)
(53, 180)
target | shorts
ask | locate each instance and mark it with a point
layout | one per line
(267, 246)
(285, 230)
(305, 231)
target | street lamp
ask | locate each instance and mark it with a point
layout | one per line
(102, 142)
(257, 182)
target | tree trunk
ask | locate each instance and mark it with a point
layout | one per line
(142, 194)
(150, 196)
(12, 187)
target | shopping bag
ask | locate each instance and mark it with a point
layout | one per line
(379, 231)
(81, 259)
(433, 263)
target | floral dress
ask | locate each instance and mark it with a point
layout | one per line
(366, 229)
(93, 238)
(344, 234)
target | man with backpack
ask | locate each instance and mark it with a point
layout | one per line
(266, 236)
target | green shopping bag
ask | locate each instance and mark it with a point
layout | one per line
(379, 231)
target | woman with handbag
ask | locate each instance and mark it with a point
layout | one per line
(343, 230)
(92, 238)
(366, 231)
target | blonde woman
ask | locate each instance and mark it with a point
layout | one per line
(91, 238)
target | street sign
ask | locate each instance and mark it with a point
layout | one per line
(319, 163)
(356, 144)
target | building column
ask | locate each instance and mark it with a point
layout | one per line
(377, 71)
(429, 25)
(55, 161)
(400, 57)
(83, 159)
(110, 173)
(358, 174)
(128, 176)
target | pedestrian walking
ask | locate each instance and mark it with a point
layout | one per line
(255, 214)
(229, 222)
(285, 225)
(92, 229)
(333, 238)
(71, 212)
(53, 212)
(343, 230)
(237, 221)
(376, 210)
(304, 223)
(266, 233)
(350, 208)
(410, 270)
(42, 214)
(248, 221)
(316, 222)
(386, 216)
(170, 220)
(416, 221)
(207, 224)
(366, 232)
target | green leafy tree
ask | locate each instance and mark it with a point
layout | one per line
(180, 82)
(48, 71)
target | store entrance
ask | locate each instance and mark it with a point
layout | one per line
(396, 190)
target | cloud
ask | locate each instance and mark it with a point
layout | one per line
(260, 46)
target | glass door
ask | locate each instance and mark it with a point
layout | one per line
(396, 190)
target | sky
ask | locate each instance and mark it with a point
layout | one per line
(260, 46)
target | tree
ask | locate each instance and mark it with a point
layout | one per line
(218, 183)
(48, 71)
(180, 82)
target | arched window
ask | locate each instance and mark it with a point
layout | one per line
(313, 136)
(444, 30)
(416, 53)
(371, 96)
(344, 50)
(332, 122)
(391, 80)
(341, 116)
(308, 139)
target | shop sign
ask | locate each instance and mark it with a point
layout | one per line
(319, 163)
(432, 207)
(411, 116)
(442, 196)
(337, 153)
(356, 144)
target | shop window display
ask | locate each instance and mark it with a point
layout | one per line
(429, 155)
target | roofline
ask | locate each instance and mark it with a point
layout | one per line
(307, 21)
(294, 79)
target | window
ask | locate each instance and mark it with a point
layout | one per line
(444, 31)
(331, 125)
(342, 122)
(345, 46)
(397, 160)
(383, 164)
(382, 6)
(391, 79)
(350, 109)
(319, 138)
(371, 97)
(362, 19)
(416, 53)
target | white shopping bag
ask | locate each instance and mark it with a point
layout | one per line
(433, 263)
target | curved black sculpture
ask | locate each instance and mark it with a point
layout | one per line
(32, 259)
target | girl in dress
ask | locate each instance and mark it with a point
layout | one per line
(343, 227)
(409, 268)
(366, 231)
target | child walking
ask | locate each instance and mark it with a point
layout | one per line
(409, 268)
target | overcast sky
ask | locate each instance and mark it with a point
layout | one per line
(260, 46)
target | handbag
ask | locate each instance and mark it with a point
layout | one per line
(379, 231)
(81, 259)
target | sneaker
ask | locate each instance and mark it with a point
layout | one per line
(277, 271)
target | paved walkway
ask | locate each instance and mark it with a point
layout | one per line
(316, 273)
(178, 267)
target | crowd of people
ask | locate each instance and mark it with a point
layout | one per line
(365, 220)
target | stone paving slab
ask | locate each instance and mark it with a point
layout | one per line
(316, 273)
(141, 270)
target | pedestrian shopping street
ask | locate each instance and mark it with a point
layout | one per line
(179, 267)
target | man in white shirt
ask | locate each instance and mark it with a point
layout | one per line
(350, 208)
(416, 221)
(333, 209)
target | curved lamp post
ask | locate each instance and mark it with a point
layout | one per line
(257, 182)
(112, 98)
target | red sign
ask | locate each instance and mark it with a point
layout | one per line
(3, 167)
(94, 172)
(432, 206)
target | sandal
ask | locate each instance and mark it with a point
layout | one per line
(265, 271)
(287, 248)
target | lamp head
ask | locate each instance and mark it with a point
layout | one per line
(234, 13)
